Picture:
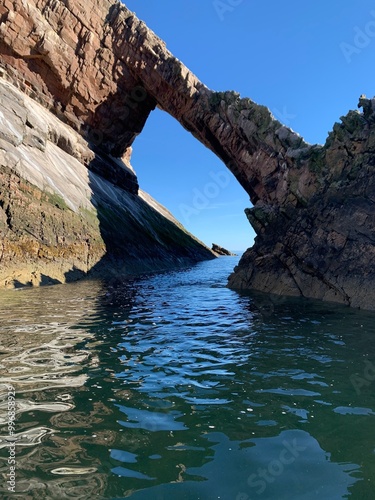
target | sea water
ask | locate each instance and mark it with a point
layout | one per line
(171, 386)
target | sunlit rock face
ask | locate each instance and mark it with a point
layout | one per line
(59, 219)
(101, 71)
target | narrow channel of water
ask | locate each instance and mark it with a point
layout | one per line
(172, 386)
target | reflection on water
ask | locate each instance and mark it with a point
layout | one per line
(174, 387)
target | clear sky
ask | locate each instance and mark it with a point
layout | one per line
(308, 61)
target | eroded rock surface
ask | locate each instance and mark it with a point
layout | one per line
(59, 220)
(325, 247)
(102, 71)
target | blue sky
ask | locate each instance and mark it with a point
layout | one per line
(307, 61)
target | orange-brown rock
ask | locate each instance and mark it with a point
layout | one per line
(103, 71)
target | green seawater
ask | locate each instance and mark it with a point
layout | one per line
(171, 386)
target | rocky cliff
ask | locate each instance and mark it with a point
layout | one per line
(323, 246)
(101, 71)
(59, 220)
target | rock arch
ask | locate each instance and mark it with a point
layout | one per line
(102, 71)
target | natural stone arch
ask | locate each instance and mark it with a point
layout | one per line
(106, 74)
(91, 62)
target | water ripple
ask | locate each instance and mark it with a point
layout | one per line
(173, 386)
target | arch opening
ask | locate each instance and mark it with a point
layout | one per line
(191, 182)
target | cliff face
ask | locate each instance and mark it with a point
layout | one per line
(323, 247)
(59, 220)
(102, 71)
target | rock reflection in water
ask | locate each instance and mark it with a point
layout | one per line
(43, 357)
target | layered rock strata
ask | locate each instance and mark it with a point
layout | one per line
(323, 247)
(102, 71)
(60, 220)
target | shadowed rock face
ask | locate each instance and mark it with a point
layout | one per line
(102, 71)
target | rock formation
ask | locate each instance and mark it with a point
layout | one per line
(323, 246)
(59, 220)
(220, 251)
(101, 71)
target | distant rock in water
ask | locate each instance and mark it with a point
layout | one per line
(221, 251)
